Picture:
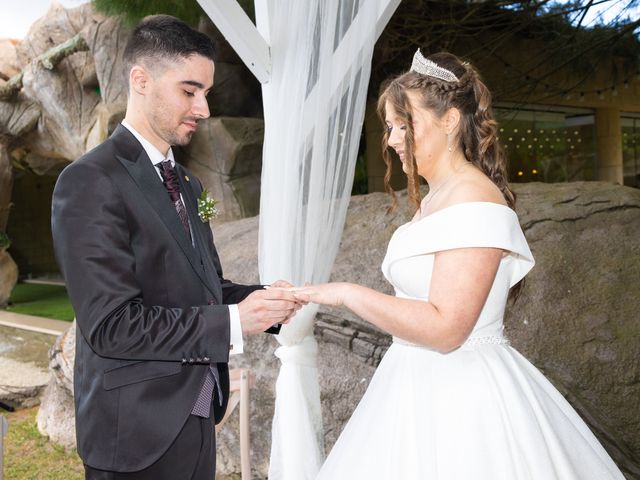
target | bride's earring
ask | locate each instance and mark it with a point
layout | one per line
(449, 145)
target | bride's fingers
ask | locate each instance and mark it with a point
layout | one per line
(303, 295)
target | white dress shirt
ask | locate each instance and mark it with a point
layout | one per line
(156, 156)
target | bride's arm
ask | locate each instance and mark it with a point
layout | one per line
(460, 284)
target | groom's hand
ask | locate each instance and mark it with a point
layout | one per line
(264, 308)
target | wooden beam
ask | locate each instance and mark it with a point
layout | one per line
(241, 34)
(384, 15)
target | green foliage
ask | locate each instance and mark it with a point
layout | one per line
(133, 12)
(360, 179)
(5, 241)
(49, 301)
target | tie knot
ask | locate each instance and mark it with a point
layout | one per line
(170, 178)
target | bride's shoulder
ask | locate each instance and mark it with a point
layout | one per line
(472, 188)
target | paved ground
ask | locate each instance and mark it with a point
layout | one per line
(34, 324)
(24, 345)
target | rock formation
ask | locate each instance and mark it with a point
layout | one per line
(56, 417)
(576, 319)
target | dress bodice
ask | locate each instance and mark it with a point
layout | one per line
(408, 264)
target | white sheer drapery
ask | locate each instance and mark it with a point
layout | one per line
(314, 108)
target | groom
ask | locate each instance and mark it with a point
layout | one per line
(156, 319)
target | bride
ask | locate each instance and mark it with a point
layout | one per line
(451, 399)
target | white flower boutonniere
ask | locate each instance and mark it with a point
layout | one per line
(207, 207)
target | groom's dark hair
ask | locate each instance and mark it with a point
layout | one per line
(161, 38)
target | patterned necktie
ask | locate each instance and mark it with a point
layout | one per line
(202, 407)
(171, 183)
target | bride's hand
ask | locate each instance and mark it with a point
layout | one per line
(324, 293)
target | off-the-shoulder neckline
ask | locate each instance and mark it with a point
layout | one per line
(413, 222)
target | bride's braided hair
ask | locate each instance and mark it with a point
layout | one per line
(476, 135)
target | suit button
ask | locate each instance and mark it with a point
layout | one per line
(191, 360)
(199, 360)
(206, 359)
(184, 361)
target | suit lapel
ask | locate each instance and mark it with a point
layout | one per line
(197, 227)
(139, 166)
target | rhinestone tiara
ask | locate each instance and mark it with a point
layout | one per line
(426, 67)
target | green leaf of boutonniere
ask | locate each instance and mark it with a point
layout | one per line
(207, 207)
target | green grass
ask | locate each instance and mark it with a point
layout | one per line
(30, 456)
(50, 301)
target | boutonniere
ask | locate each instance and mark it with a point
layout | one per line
(207, 207)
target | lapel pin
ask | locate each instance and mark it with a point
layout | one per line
(186, 178)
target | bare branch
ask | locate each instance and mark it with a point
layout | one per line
(48, 60)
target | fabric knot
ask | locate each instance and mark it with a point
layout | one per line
(170, 179)
(172, 184)
(304, 353)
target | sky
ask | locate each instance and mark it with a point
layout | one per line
(15, 21)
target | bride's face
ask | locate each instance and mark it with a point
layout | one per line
(430, 139)
(396, 128)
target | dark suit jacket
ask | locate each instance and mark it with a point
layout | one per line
(150, 308)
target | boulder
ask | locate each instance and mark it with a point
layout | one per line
(237, 93)
(56, 418)
(226, 155)
(23, 366)
(576, 318)
(66, 94)
(8, 276)
(21, 383)
(8, 59)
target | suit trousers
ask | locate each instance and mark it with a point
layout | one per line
(192, 456)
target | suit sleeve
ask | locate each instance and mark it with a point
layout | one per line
(92, 247)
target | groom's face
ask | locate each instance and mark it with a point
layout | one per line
(176, 99)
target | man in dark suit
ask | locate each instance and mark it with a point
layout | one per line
(156, 319)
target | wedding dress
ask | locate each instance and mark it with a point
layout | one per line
(481, 412)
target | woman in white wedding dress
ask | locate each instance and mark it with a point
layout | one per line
(451, 400)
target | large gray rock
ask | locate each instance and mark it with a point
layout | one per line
(56, 417)
(21, 383)
(226, 155)
(8, 59)
(66, 102)
(8, 276)
(23, 366)
(576, 318)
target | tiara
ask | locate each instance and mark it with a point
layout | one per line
(426, 67)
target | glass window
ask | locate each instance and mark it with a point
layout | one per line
(544, 146)
(631, 150)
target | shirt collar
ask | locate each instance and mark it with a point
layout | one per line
(154, 154)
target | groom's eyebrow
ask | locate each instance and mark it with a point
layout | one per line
(193, 83)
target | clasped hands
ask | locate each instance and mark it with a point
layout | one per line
(279, 302)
